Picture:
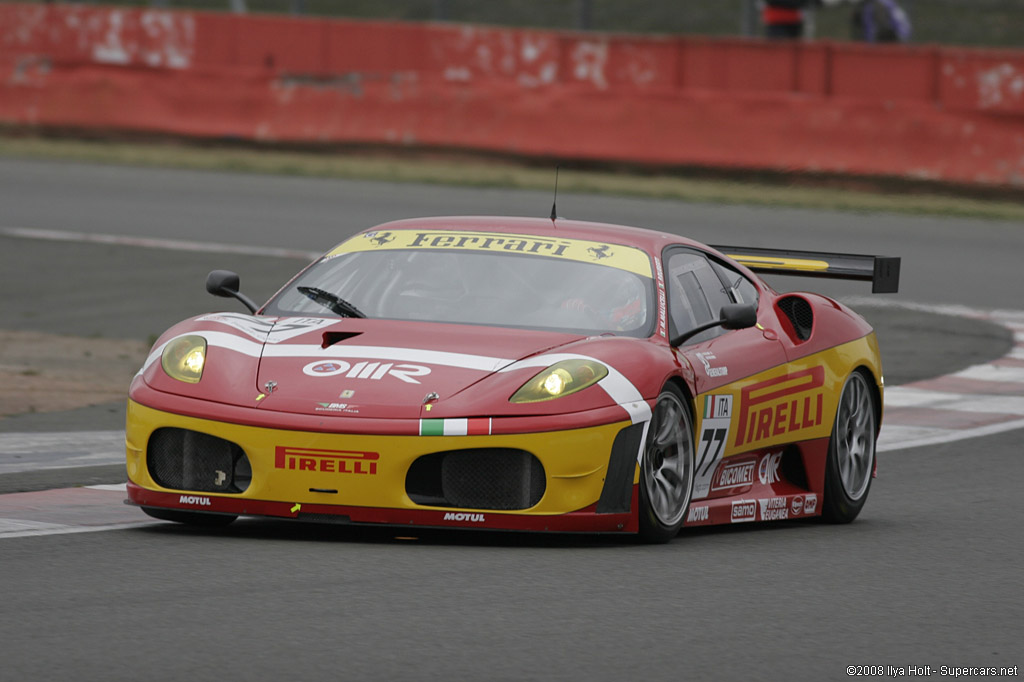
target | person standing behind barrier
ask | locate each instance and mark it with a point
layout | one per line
(785, 19)
(880, 21)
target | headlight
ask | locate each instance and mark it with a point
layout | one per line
(183, 358)
(560, 379)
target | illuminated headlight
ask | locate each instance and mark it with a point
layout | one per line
(560, 379)
(183, 358)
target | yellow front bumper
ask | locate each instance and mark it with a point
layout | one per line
(305, 470)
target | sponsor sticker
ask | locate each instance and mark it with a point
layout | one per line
(706, 358)
(365, 369)
(779, 407)
(326, 461)
(698, 514)
(461, 516)
(797, 505)
(735, 475)
(810, 503)
(768, 469)
(615, 255)
(195, 500)
(743, 510)
(773, 509)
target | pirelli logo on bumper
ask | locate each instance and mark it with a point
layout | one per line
(326, 461)
(778, 407)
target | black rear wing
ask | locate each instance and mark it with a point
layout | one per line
(882, 271)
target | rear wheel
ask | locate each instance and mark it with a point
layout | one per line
(666, 471)
(851, 452)
(190, 518)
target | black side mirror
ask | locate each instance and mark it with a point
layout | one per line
(732, 316)
(738, 315)
(226, 284)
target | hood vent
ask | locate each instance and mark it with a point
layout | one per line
(331, 338)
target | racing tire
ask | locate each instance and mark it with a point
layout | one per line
(851, 451)
(666, 469)
(197, 519)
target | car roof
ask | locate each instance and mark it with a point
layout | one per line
(651, 241)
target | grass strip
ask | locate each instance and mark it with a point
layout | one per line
(472, 171)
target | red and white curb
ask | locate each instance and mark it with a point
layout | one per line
(71, 510)
(978, 401)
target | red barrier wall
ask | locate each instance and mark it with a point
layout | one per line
(950, 114)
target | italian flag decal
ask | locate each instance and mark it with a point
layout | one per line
(480, 426)
(717, 406)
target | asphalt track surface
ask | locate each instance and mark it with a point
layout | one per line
(929, 574)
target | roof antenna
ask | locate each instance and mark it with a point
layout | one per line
(554, 202)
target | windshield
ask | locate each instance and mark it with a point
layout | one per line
(478, 287)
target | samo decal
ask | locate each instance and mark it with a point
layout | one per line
(780, 406)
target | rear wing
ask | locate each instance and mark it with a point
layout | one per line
(882, 271)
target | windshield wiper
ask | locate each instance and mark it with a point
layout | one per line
(335, 304)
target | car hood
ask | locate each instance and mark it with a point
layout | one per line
(358, 367)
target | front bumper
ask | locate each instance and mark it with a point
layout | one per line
(295, 476)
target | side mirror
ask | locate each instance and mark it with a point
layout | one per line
(732, 316)
(739, 315)
(226, 284)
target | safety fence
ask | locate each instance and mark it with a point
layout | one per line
(952, 114)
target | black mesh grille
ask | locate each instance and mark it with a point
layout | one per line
(484, 478)
(188, 460)
(799, 312)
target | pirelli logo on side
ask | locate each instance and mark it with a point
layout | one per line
(326, 461)
(778, 407)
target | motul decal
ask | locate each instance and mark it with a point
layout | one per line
(460, 516)
(326, 461)
(193, 499)
(780, 406)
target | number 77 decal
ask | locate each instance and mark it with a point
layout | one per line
(717, 414)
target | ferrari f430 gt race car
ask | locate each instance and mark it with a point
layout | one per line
(513, 373)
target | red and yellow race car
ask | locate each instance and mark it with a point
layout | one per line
(515, 373)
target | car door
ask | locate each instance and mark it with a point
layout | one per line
(698, 285)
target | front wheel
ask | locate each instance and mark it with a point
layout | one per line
(190, 518)
(666, 471)
(851, 452)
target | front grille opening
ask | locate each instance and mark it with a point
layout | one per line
(478, 478)
(798, 311)
(183, 459)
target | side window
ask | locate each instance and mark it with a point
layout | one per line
(739, 288)
(696, 293)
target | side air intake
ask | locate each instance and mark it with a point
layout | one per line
(798, 311)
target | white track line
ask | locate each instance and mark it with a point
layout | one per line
(12, 528)
(154, 243)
